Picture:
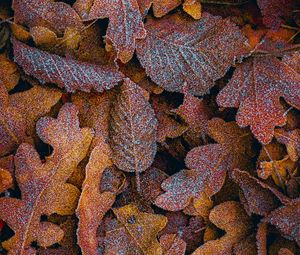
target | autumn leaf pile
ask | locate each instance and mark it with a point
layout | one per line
(149, 127)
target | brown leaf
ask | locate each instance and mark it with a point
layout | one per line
(208, 164)
(134, 233)
(93, 204)
(231, 217)
(12, 124)
(66, 73)
(56, 16)
(193, 8)
(9, 74)
(255, 89)
(6, 180)
(125, 24)
(43, 185)
(172, 245)
(177, 50)
(287, 220)
(160, 7)
(133, 129)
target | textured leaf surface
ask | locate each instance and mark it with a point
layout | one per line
(135, 233)
(43, 185)
(93, 204)
(255, 88)
(231, 217)
(160, 7)
(133, 129)
(125, 24)
(287, 220)
(208, 164)
(172, 244)
(66, 73)
(178, 50)
(56, 16)
(12, 124)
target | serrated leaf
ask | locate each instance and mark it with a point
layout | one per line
(255, 88)
(179, 50)
(133, 129)
(66, 73)
(125, 24)
(43, 186)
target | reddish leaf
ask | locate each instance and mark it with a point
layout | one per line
(261, 238)
(209, 164)
(53, 15)
(274, 10)
(12, 124)
(178, 50)
(257, 198)
(43, 186)
(125, 24)
(255, 89)
(172, 245)
(287, 220)
(66, 73)
(133, 129)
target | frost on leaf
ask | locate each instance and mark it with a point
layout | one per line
(255, 88)
(66, 73)
(231, 217)
(172, 244)
(125, 24)
(56, 16)
(160, 7)
(208, 164)
(133, 129)
(12, 124)
(134, 232)
(43, 186)
(178, 50)
(287, 220)
(93, 204)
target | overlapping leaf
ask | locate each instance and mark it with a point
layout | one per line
(255, 88)
(160, 7)
(133, 129)
(178, 50)
(208, 164)
(66, 73)
(43, 185)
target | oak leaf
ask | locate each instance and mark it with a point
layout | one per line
(43, 185)
(231, 217)
(255, 88)
(12, 124)
(6, 180)
(66, 73)
(208, 164)
(172, 245)
(178, 51)
(134, 233)
(93, 204)
(133, 129)
(9, 74)
(160, 7)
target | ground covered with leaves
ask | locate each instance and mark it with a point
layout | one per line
(149, 127)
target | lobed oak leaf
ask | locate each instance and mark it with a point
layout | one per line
(172, 244)
(255, 88)
(133, 130)
(134, 233)
(56, 16)
(43, 186)
(287, 220)
(12, 124)
(293, 60)
(231, 217)
(93, 204)
(34, 103)
(209, 164)
(291, 139)
(179, 52)
(66, 73)
(125, 24)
